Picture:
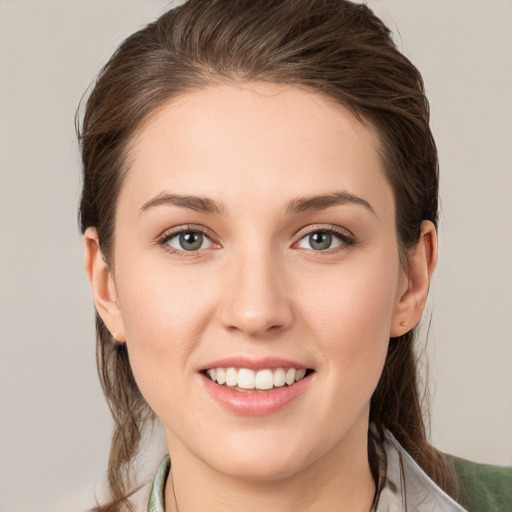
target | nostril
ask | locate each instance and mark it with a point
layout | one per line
(253, 302)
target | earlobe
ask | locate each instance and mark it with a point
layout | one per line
(411, 301)
(102, 285)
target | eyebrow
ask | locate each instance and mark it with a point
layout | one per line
(199, 204)
(321, 202)
(297, 205)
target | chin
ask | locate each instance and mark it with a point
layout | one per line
(263, 467)
(264, 457)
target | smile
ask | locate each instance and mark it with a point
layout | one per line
(246, 379)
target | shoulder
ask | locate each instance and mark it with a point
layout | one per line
(483, 487)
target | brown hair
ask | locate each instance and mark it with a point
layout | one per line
(333, 47)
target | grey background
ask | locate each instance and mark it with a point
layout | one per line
(54, 425)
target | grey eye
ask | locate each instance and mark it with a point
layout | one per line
(189, 241)
(320, 241)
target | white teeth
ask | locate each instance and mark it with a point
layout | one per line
(264, 379)
(299, 375)
(246, 379)
(279, 377)
(221, 375)
(290, 376)
(231, 377)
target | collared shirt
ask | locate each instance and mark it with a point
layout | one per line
(405, 487)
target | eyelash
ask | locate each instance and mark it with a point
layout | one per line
(344, 238)
(163, 241)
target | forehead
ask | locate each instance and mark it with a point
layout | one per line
(243, 141)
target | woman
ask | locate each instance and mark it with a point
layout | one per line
(259, 210)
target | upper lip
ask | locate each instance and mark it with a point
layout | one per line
(253, 363)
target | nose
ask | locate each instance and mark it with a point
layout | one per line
(256, 298)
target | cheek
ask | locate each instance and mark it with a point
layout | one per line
(354, 303)
(164, 315)
(349, 314)
(160, 304)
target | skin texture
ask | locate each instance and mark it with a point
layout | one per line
(256, 288)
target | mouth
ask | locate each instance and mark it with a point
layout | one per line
(246, 380)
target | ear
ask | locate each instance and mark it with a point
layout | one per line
(413, 293)
(102, 285)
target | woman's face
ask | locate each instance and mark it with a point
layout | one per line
(255, 231)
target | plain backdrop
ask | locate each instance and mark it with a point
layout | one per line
(54, 425)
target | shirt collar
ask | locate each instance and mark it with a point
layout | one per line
(404, 488)
(407, 487)
(156, 498)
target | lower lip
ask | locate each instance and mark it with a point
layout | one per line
(261, 403)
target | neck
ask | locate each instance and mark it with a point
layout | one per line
(341, 480)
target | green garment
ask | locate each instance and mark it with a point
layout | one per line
(483, 488)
